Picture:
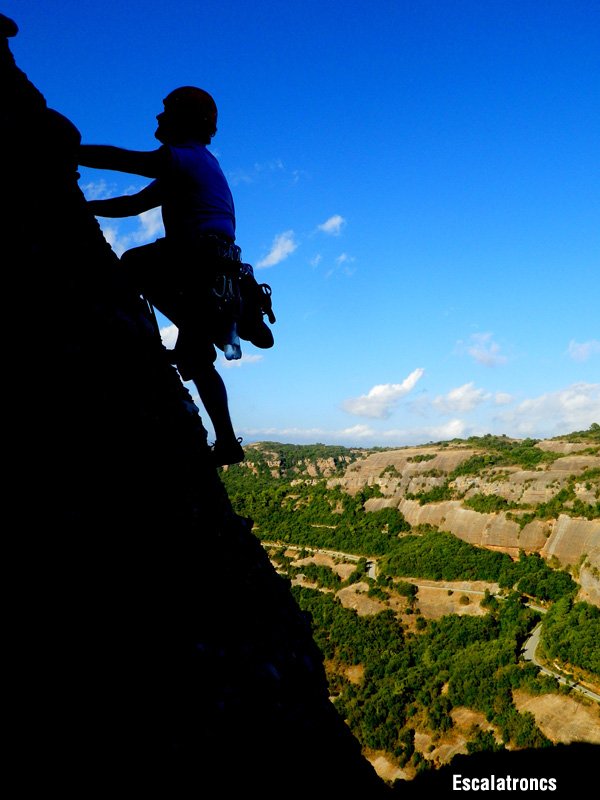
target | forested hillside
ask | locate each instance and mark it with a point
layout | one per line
(507, 495)
(404, 671)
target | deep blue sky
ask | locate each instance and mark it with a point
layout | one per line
(418, 181)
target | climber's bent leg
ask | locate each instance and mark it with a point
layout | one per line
(150, 271)
(213, 394)
(194, 356)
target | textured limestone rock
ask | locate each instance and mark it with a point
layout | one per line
(571, 539)
(399, 473)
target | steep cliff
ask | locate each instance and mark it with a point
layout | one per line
(155, 651)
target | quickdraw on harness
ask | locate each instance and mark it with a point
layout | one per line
(242, 303)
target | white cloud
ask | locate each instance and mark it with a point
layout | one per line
(149, 223)
(379, 402)
(356, 432)
(111, 234)
(168, 334)
(283, 245)
(485, 351)
(581, 351)
(570, 409)
(454, 429)
(333, 225)
(149, 228)
(97, 190)
(466, 397)
(463, 398)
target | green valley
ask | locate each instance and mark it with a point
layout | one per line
(424, 571)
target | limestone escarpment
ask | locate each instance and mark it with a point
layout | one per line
(394, 470)
(404, 477)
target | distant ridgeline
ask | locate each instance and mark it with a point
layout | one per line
(505, 533)
(506, 494)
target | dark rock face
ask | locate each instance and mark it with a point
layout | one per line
(156, 651)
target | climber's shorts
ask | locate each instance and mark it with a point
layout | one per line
(181, 292)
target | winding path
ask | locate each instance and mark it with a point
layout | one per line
(528, 653)
(528, 650)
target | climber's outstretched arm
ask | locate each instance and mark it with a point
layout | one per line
(150, 163)
(128, 205)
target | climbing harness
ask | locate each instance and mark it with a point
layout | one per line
(232, 299)
(241, 303)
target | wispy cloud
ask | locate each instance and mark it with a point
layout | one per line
(333, 225)
(485, 351)
(343, 263)
(149, 227)
(582, 351)
(97, 190)
(257, 170)
(380, 401)
(453, 429)
(250, 358)
(141, 229)
(283, 245)
(308, 434)
(365, 435)
(101, 189)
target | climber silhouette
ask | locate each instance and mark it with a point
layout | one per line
(175, 273)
